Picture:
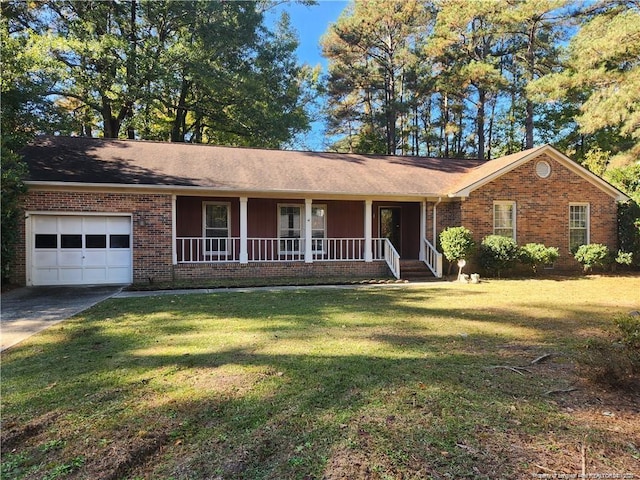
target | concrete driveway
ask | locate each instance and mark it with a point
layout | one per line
(26, 311)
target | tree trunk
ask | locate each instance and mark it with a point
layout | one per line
(482, 98)
(111, 124)
(531, 63)
(178, 129)
(528, 125)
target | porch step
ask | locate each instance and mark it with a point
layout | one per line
(415, 271)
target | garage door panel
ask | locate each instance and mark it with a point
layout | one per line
(71, 258)
(76, 250)
(94, 258)
(95, 225)
(119, 274)
(42, 224)
(119, 257)
(95, 275)
(45, 258)
(119, 225)
(70, 225)
(48, 276)
(71, 276)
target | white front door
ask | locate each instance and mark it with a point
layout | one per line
(80, 250)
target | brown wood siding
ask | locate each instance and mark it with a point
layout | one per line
(189, 215)
(344, 219)
(262, 217)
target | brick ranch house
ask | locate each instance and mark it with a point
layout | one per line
(103, 211)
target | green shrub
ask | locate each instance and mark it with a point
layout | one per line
(498, 253)
(456, 243)
(629, 329)
(536, 254)
(592, 255)
(624, 258)
(615, 361)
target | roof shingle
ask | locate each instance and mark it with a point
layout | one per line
(131, 162)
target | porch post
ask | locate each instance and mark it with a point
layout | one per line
(174, 240)
(368, 252)
(423, 229)
(244, 255)
(435, 221)
(308, 230)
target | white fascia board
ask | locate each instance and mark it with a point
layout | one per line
(211, 191)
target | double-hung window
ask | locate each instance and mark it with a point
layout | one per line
(216, 227)
(578, 225)
(504, 219)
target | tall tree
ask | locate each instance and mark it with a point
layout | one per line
(464, 42)
(371, 53)
(604, 69)
(183, 71)
(24, 110)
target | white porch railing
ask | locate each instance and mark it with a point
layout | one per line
(219, 250)
(207, 250)
(392, 258)
(433, 258)
(275, 249)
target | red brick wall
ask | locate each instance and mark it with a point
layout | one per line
(195, 271)
(542, 208)
(151, 242)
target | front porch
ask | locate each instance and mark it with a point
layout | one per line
(259, 236)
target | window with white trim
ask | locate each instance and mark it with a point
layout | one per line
(578, 225)
(504, 219)
(318, 227)
(291, 220)
(216, 223)
(290, 228)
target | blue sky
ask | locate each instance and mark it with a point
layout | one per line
(310, 23)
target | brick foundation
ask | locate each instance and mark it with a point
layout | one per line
(202, 271)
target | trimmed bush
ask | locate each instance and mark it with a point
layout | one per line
(456, 243)
(592, 255)
(536, 254)
(498, 253)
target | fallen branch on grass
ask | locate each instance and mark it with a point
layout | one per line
(566, 390)
(518, 370)
(541, 358)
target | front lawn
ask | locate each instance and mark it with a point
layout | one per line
(395, 382)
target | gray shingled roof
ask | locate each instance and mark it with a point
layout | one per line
(79, 160)
(131, 162)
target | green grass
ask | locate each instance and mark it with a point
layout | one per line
(385, 382)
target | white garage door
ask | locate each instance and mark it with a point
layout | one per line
(80, 250)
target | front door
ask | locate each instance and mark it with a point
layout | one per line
(390, 225)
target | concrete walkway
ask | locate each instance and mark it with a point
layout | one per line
(29, 310)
